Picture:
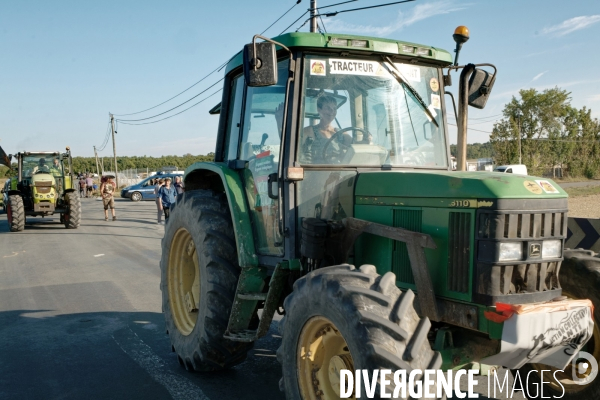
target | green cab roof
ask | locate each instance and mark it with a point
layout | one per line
(356, 44)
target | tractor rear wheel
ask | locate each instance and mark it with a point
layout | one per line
(72, 218)
(342, 318)
(579, 279)
(15, 213)
(199, 275)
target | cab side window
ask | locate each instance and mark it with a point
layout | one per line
(234, 118)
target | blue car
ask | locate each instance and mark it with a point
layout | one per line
(144, 190)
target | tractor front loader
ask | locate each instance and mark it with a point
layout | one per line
(43, 186)
(332, 200)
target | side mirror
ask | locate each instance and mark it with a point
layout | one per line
(260, 69)
(480, 87)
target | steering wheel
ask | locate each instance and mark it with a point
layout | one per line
(336, 155)
(42, 171)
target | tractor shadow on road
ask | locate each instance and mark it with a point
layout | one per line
(117, 355)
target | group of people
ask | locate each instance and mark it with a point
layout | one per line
(166, 194)
(86, 185)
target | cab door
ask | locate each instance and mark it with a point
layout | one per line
(259, 153)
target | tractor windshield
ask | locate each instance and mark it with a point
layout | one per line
(371, 112)
(45, 163)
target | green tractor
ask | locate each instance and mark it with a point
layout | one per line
(332, 151)
(42, 187)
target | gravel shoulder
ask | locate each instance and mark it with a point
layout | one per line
(585, 206)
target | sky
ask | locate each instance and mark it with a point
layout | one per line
(67, 64)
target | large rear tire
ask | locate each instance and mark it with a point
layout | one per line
(342, 318)
(72, 218)
(579, 279)
(15, 212)
(199, 275)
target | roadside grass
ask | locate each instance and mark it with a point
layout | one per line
(582, 191)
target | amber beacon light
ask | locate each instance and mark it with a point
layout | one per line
(461, 35)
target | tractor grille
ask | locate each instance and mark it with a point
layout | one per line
(521, 281)
(43, 189)
(43, 183)
(407, 219)
(523, 225)
(459, 251)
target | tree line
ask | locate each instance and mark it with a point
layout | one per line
(553, 134)
(88, 164)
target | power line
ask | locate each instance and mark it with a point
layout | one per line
(206, 76)
(177, 106)
(544, 139)
(170, 116)
(284, 14)
(333, 14)
(283, 31)
(472, 129)
(106, 136)
(166, 101)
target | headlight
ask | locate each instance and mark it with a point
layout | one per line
(551, 248)
(511, 251)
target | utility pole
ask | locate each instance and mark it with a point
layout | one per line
(313, 15)
(519, 131)
(518, 116)
(97, 166)
(112, 127)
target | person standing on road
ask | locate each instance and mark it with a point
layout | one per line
(82, 185)
(159, 211)
(178, 185)
(166, 198)
(107, 189)
(89, 182)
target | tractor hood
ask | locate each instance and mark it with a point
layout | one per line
(44, 179)
(453, 184)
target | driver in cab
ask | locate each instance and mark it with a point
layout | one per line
(315, 137)
(41, 167)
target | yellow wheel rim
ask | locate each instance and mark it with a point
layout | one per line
(565, 377)
(322, 353)
(183, 282)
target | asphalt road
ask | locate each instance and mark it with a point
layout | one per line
(80, 317)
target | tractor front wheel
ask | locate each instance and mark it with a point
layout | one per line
(15, 213)
(579, 279)
(342, 318)
(72, 218)
(199, 275)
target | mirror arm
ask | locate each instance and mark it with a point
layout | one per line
(255, 60)
(461, 121)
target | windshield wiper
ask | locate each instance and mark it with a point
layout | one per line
(403, 82)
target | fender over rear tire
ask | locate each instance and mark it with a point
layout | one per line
(199, 275)
(349, 319)
(580, 279)
(72, 218)
(15, 212)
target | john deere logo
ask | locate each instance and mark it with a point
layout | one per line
(535, 250)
